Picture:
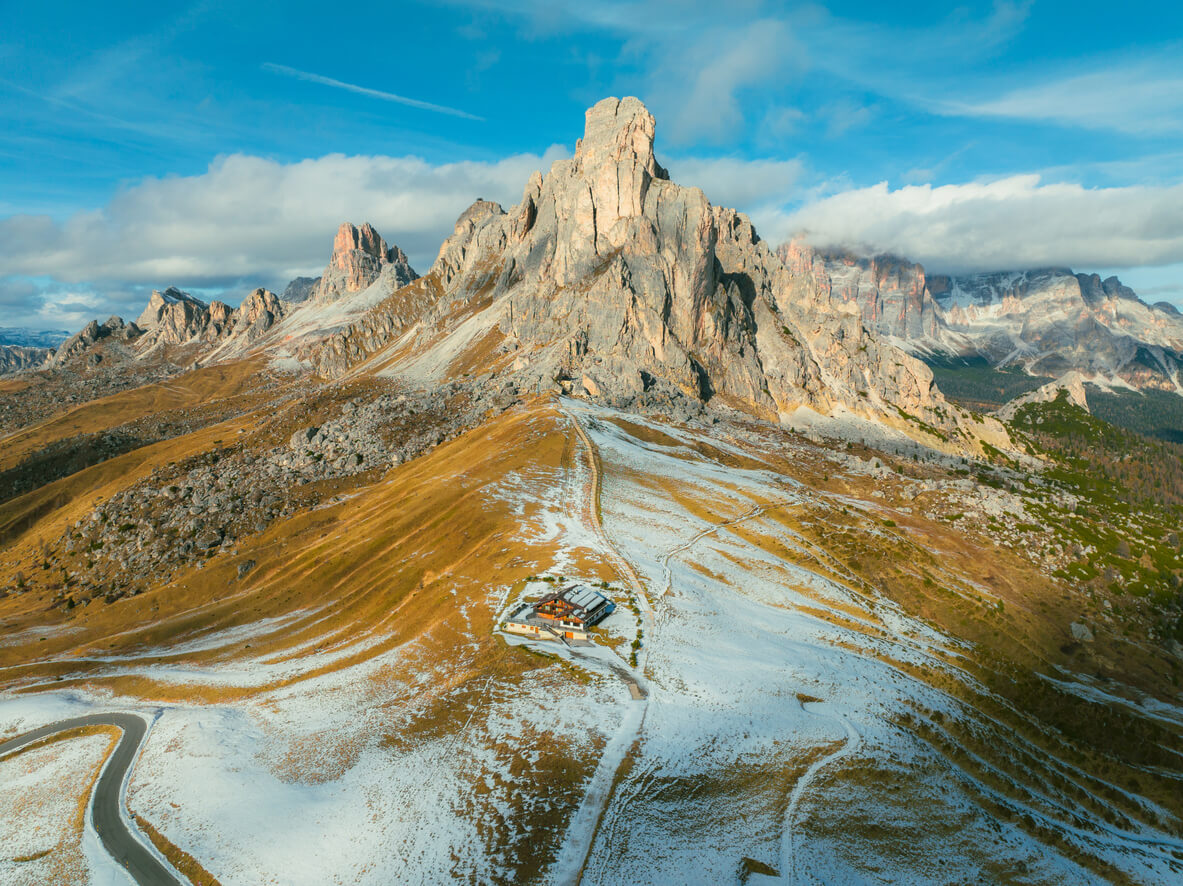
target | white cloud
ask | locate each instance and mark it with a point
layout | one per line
(1145, 98)
(254, 218)
(252, 221)
(695, 86)
(1014, 222)
(745, 184)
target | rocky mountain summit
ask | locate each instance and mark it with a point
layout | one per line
(1048, 321)
(360, 256)
(173, 317)
(114, 329)
(608, 278)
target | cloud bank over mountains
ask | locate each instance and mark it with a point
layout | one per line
(250, 217)
(1012, 223)
(251, 221)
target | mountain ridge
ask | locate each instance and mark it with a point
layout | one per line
(1048, 321)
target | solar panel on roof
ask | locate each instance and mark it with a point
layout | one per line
(583, 597)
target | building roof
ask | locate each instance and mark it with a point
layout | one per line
(581, 597)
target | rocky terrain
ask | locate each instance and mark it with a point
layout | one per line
(607, 275)
(173, 317)
(200, 506)
(360, 257)
(1047, 321)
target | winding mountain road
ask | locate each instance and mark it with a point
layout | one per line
(107, 803)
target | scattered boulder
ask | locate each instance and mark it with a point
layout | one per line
(303, 437)
(1081, 632)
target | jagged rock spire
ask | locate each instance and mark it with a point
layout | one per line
(360, 256)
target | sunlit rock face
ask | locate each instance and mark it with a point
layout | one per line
(1049, 321)
(613, 273)
(360, 256)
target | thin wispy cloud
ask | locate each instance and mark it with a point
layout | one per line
(366, 91)
(1143, 99)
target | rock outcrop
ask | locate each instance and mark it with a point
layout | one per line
(170, 307)
(114, 328)
(258, 312)
(177, 318)
(1070, 383)
(360, 257)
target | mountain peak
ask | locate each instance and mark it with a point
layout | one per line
(351, 238)
(160, 302)
(615, 158)
(611, 276)
(360, 256)
(618, 127)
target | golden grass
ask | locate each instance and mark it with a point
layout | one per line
(46, 512)
(386, 566)
(178, 858)
(190, 390)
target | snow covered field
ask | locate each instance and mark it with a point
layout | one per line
(775, 728)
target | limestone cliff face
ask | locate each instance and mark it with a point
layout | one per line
(891, 293)
(1056, 321)
(17, 358)
(360, 256)
(1048, 320)
(258, 312)
(605, 262)
(175, 318)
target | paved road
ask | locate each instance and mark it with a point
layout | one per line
(117, 839)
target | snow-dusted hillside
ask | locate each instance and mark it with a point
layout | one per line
(799, 710)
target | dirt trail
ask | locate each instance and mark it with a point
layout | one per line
(592, 502)
(588, 818)
(849, 746)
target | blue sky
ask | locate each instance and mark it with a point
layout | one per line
(217, 146)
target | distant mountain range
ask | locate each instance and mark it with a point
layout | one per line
(862, 631)
(21, 336)
(1047, 321)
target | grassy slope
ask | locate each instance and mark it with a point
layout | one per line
(412, 558)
